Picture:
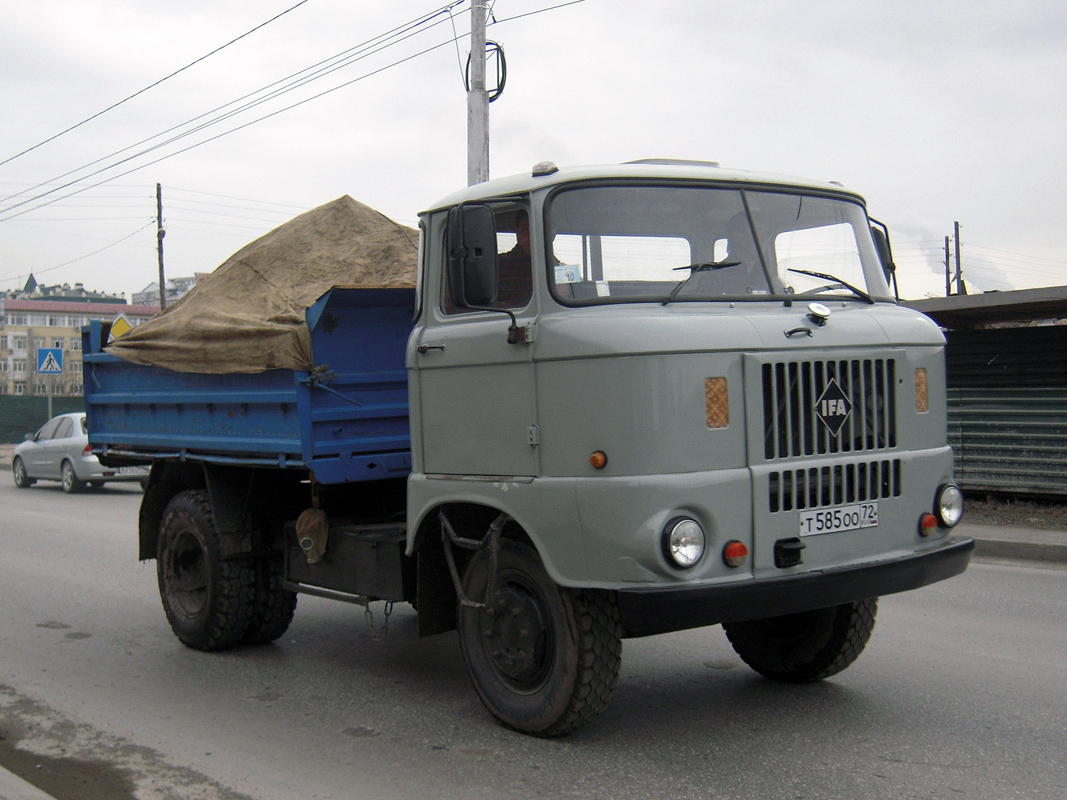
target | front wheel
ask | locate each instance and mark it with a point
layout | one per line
(209, 599)
(70, 480)
(22, 478)
(543, 659)
(805, 647)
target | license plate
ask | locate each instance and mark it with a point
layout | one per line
(132, 471)
(842, 518)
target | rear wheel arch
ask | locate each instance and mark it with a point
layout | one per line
(167, 479)
(68, 476)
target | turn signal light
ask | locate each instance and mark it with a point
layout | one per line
(599, 459)
(927, 524)
(734, 553)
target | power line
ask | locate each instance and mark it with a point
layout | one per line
(87, 255)
(372, 46)
(151, 85)
(380, 42)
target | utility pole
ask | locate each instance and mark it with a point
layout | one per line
(160, 233)
(477, 102)
(959, 268)
(948, 270)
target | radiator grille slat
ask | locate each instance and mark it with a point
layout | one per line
(836, 485)
(791, 393)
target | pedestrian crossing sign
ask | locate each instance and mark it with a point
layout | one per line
(50, 361)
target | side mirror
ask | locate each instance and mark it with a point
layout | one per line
(472, 255)
(880, 234)
(881, 244)
(29, 437)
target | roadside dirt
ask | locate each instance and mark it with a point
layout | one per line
(1003, 510)
(74, 761)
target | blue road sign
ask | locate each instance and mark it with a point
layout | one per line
(50, 361)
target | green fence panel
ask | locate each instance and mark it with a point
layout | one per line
(22, 415)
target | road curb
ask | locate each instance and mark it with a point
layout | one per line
(12, 787)
(1024, 551)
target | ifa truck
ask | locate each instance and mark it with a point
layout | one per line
(618, 402)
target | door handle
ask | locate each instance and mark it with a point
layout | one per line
(425, 348)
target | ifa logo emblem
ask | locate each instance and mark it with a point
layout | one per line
(833, 407)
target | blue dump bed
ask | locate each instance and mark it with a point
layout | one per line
(346, 420)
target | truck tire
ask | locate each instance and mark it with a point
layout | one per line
(273, 606)
(22, 478)
(69, 478)
(805, 647)
(208, 599)
(543, 659)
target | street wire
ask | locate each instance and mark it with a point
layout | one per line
(290, 83)
(113, 106)
(87, 255)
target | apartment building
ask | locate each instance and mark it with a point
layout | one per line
(39, 319)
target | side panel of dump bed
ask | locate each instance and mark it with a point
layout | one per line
(346, 420)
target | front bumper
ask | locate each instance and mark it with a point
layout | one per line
(646, 612)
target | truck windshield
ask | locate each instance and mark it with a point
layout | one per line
(647, 243)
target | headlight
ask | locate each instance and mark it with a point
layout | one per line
(683, 542)
(948, 506)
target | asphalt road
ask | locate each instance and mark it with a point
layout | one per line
(959, 694)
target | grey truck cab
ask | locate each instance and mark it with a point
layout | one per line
(664, 395)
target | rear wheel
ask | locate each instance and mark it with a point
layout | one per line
(18, 471)
(273, 606)
(208, 599)
(69, 478)
(543, 659)
(805, 647)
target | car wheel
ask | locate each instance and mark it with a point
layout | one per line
(805, 647)
(70, 480)
(18, 470)
(209, 597)
(543, 659)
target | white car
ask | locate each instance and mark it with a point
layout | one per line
(60, 451)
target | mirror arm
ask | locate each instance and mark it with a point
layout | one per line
(516, 334)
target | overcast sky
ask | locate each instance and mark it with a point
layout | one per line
(935, 111)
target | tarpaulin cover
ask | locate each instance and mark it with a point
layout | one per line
(248, 315)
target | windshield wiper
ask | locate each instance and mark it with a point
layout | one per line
(703, 266)
(834, 280)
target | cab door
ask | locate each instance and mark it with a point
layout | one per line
(478, 407)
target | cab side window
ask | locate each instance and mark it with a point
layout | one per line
(514, 263)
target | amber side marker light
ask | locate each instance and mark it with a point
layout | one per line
(922, 393)
(734, 554)
(599, 459)
(716, 403)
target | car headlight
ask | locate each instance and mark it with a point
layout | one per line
(683, 542)
(948, 506)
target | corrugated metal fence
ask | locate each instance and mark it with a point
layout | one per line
(1007, 409)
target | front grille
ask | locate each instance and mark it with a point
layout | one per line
(791, 391)
(840, 484)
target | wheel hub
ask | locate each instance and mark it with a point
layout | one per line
(513, 629)
(187, 573)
